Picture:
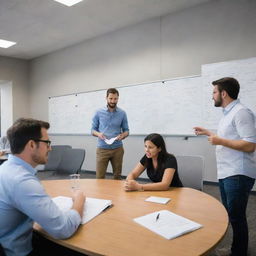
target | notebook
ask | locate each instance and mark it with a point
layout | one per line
(92, 207)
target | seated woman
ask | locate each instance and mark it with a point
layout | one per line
(161, 167)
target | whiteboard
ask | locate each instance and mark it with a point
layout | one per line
(72, 114)
(153, 107)
(171, 107)
(244, 71)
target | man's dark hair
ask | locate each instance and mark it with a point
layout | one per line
(24, 130)
(112, 90)
(228, 84)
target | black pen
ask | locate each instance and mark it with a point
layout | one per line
(157, 217)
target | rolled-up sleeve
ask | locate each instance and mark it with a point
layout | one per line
(95, 123)
(245, 125)
(125, 126)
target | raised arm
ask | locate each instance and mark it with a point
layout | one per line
(245, 126)
(240, 145)
(202, 131)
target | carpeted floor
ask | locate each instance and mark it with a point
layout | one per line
(211, 189)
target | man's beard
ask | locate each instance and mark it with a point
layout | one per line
(111, 105)
(39, 159)
(218, 102)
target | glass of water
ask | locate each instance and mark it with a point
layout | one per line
(75, 181)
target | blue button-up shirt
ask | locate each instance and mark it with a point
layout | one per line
(110, 124)
(22, 201)
(237, 123)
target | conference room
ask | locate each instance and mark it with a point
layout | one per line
(160, 55)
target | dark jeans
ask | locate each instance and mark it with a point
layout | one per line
(235, 192)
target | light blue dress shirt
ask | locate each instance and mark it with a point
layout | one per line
(237, 123)
(110, 124)
(22, 201)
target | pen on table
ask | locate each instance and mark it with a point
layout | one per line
(157, 217)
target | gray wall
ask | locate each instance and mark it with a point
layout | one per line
(16, 71)
(134, 146)
(171, 46)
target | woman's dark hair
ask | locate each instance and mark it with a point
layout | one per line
(23, 130)
(157, 140)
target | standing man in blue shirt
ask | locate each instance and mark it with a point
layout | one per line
(235, 145)
(23, 199)
(110, 125)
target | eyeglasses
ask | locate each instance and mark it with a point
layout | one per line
(48, 142)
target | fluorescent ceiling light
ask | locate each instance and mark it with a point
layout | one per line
(68, 2)
(6, 44)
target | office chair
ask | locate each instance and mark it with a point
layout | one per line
(54, 157)
(191, 169)
(71, 161)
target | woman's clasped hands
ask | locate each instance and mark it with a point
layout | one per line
(131, 185)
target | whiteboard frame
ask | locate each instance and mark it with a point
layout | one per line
(186, 135)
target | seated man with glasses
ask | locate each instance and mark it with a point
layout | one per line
(23, 199)
(48, 142)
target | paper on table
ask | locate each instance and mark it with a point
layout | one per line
(157, 199)
(92, 206)
(168, 224)
(110, 141)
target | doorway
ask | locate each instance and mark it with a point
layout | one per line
(6, 106)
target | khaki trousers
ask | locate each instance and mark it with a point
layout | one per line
(103, 156)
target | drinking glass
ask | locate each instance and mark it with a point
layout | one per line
(75, 181)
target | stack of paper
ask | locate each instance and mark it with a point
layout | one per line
(110, 141)
(167, 224)
(157, 199)
(92, 206)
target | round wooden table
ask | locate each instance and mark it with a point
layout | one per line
(115, 233)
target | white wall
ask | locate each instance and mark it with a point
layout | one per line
(172, 46)
(218, 31)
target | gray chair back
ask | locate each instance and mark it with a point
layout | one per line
(54, 157)
(191, 169)
(71, 161)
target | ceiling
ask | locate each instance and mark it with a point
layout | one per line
(43, 26)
